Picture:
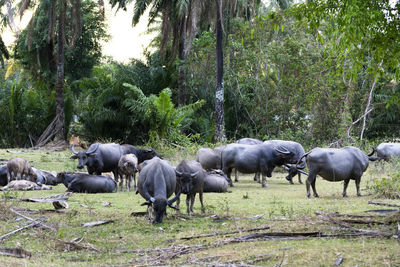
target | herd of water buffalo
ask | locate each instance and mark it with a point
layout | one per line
(210, 172)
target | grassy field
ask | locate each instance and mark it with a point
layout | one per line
(133, 240)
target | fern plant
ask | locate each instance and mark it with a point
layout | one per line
(163, 118)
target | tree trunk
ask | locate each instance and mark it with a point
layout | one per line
(219, 92)
(182, 58)
(60, 122)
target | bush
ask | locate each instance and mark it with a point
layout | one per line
(387, 187)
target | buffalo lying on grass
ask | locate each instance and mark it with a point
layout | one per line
(157, 182)
(215, 181)
(87, 183)
(332, 164)
(3, 175)
(190, 176)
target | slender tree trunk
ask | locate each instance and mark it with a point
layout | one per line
(60, 122)
(219, 92)
(182, 58)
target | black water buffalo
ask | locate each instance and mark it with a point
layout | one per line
(333, 164)
(261, 158)
(387, 150)
(67, 177)
(3, 175)
(190, 176)
(157, 182)
(210, 158)
(141, 154)
(88, 183)
(298, 151)
(99, 158)
(215, 181)
(248, 141)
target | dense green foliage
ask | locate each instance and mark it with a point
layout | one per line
(307, 81)
(36, 48)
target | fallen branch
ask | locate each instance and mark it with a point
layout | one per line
(337, 214)
(383, 204)
(68, 246)
(226, 233)
(33, 220)
(15, 252)
(19, 230)
(91, 224)
(364, 231)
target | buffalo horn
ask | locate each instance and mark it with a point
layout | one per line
(301, 171)
(194, 174)
(282, 150)
(147, 202)
(73, 150)
(178, 173)
(175, 198)
(92, 149)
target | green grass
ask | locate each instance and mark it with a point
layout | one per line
(285, 208)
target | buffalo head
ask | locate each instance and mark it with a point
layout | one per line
(83, 156)
(187, 180)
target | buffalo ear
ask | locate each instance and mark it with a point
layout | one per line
(74, 157)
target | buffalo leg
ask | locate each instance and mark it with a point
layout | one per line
(358, 180)
(228, 174)
(311, 181)
(346, 183)
(188, 198)
(134, 180)
(236, 176)
(300, 182)
(193, 197)
(121, 183)
(264, 182)
(257, 177)
(201, 202)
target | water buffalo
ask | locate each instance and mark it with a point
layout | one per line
(88, 183)
(248, 141)
(44, 177)
(3, 175)
(298, 151)
(387, 150)
(141, 154)
(127, 168)
(157, 182)
(210, 158)
(190, 176)
(67, 177)
(261, 158)
(20, 167)
(99, 158)
(215, 181)
(333, 164)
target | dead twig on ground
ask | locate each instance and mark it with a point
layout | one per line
(19, 230)
(33, 220)
(226, 233)
(383, 204)
(15, 252)
(91, 224)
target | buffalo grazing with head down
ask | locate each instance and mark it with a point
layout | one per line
(261, 158)
(333, 164)
(157, 182)
(388, 150)
(298, 152)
